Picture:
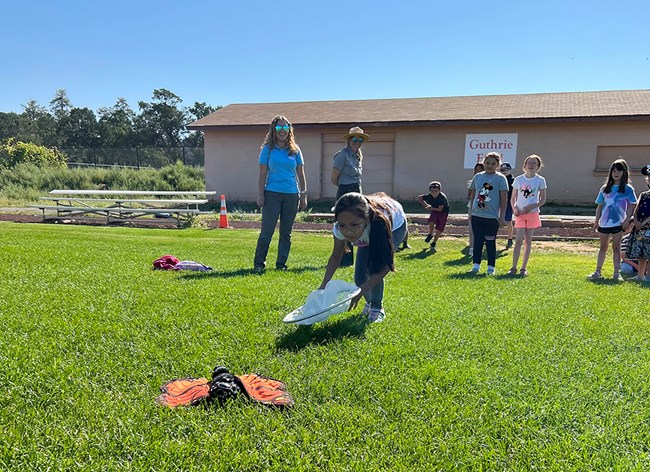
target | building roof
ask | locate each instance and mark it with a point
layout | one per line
(569, 106)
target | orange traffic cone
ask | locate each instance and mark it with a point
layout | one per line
(223, 215)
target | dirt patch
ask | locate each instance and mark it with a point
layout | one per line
(570, 246)
(560, 234)
(18, 218)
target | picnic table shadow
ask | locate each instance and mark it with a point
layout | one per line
(243, 272)
(322, 333)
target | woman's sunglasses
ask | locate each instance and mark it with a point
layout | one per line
(357, 140)
(279, 128)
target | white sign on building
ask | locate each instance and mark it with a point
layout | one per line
(478, 145)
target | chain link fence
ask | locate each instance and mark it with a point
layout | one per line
(136, 157)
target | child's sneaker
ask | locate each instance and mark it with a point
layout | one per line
(433, 246)
(428, 238)
(595, 275)
(617, 277)
(366, 309)
(491, 270)
(509, 244)
(475, 269)
(376, 315)
(523, 272)
(512, 271)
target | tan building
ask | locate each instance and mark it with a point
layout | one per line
(414, 141)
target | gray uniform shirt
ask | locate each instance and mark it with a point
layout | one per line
(349, 167)
(487, 196)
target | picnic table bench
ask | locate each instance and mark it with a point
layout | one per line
(121, 205)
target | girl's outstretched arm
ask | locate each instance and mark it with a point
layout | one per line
(334, 261)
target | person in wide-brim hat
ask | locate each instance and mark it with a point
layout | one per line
(346, 174)
(356, 131)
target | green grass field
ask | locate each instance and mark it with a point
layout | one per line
(550, 372)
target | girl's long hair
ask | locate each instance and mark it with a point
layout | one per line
(375, 207)
(270, 139)
(609, 183)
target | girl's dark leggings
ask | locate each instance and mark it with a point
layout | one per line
(485, 231)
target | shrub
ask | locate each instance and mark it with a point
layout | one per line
(14, 152)
(27, 181)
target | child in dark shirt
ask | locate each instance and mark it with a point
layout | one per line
(506, 169)
(436, 202)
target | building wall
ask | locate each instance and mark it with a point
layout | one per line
(231, 162)
(424, 153)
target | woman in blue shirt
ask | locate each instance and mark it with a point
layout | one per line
(282, 190)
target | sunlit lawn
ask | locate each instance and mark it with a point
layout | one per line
(549, 372)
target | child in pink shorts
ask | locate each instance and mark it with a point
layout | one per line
(528, 195)
(436, 202)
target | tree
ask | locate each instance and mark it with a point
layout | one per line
(60, 104)
(11, 125)
(79, 128)
(196, 112)
(160, 122)
(38, 124)
(116, 125)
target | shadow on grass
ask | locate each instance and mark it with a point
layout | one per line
(423, 254)
(467, 259)
(464, 260)
(480, 275)
(303, 336)
(605, 281)
(467, 275)
(243, 272)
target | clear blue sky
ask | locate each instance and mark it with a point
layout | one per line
(224, 52)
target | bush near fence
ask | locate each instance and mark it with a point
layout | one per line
(134, 156)
(26, 182)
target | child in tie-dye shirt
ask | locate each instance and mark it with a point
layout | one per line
(615, 201)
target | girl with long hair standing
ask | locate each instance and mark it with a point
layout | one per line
(615, 202)
(528, 197)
